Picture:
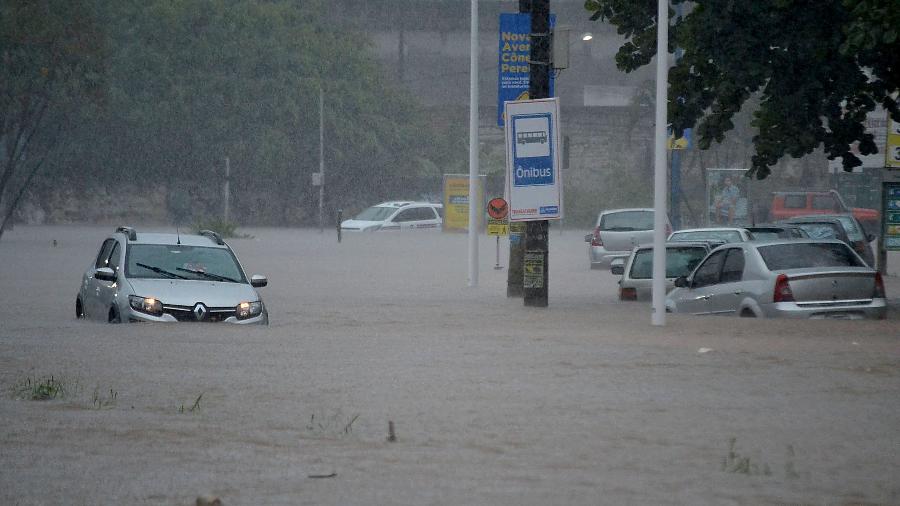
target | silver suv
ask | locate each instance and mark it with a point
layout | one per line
(617, 232)
(167, 278)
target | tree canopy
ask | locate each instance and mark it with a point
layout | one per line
(817, 69)
(157, 93)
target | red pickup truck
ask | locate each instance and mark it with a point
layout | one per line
(788, 204)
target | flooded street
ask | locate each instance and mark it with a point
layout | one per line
(583, 402)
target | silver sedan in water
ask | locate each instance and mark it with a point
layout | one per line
(783, 278)
(149, 277)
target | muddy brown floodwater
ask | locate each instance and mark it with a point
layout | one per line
(492, 403)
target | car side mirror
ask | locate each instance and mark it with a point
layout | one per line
(681, 282)
(105, 274)
(258, 281)
(870, 237)
(589, 238)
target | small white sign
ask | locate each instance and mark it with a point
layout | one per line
(317, 179)
(533, 177)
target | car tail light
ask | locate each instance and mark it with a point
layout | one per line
(627, 293)
(878, 293)
(783, 291)
(596, 240)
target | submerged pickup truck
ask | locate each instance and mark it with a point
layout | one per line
(789, 204)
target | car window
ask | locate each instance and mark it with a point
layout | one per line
(779, 257)
(415, 214)
(375, 213)
(707, 235)
(114, 257)
(103, 255)
(733, 269)
(179, 260)
(680, 261)
(795, 201)
(825, 202)
(626, 221)
(854, 232)
(820, 230)
(767, 234)
(709, 271)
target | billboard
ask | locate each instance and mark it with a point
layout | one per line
(456, 202)
(514, 52)
(533, 178)
(727, 198)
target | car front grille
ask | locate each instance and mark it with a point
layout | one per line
(199, 314)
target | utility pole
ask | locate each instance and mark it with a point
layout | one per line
(474, 205)
(227, 192)
(515, 274)
(537, 232)
(321, 158)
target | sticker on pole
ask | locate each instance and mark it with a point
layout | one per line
(533, 179)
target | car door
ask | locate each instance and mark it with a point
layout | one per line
(93, 287)
(425, 217)
(726, 295)
(107, 290)
(695, 299)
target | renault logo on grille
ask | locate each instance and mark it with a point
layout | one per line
(199, 311)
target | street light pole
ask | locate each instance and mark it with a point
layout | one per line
(658, 317)
(474, 203)
(321, 158)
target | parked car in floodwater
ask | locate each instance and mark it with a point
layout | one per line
(397, 215)
(843, 227)
(150, 277)
(617, 232)
(793, 278)
(637, 271)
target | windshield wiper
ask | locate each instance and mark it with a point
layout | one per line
(209, 275)
(159, 271)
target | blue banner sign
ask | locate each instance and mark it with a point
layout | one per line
(515, 50)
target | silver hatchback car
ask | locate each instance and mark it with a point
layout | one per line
(793, 278)
(617, 232)
(147, 277)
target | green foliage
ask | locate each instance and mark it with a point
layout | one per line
(42, 389)
(816, 69)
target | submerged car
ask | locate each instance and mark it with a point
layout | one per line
(617, 232)
(150, 277)
(723, 234)
(637, 271)
(843, 227)
(793, 278)
(397, 215)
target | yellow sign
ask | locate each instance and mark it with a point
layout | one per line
(456, 202)
(679, 143)
(892, 150)
(497, 227)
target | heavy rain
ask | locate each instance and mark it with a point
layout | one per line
(321, 150)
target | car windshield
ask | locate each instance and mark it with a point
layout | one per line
(680, 261)
(627, 221)
(375, 213)
(179, 261)
(820, 230)
(780, 257)
(707, 235)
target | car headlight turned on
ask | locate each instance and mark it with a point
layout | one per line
(246, 310)
(147, 305)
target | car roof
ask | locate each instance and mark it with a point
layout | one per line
(403, 203)
(683, 244)
(174, 239)
(711, 229)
